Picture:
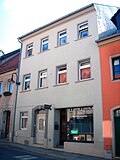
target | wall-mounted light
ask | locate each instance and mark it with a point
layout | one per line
(16, 80)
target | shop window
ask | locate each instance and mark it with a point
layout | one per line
(62, 74)
(116, 67)
(43, 79)
(84, 69)
(26, 83)
(23, 120)
(80, 124)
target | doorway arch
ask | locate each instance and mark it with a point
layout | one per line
(5, 124)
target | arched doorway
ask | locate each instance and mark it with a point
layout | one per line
(117, 131)
(5, 124)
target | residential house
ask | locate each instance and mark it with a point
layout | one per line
(60, 101)
(109, 44)
(8, 69)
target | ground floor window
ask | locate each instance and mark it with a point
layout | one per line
(23, 120)
(80, 124)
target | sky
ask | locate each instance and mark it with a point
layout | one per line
(18, 17)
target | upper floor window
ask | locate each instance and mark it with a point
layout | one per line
(10, 86)
(44, 44)
(62, 74)
(26, 83)
(29, 50)
(43, 79)
(23, 120)
(0, 88)
(83, 30)
(62, 37)
(116, 67)
(84, 69)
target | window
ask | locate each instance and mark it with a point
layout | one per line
(44, 44)
(23, 120)
(29, 50)
(9, 88)
(80, 124)
(83, 30)
(26, 85)
(116, 67)
(62, 38)
(0, 88)
(84, 69)
(62, 74)
(43, 79)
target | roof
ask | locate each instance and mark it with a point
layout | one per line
(104, 13)
(9, 61)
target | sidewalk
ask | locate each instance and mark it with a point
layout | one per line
(49, 152)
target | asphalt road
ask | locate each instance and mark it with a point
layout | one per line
(7, 153)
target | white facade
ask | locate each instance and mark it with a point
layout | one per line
(74, 93)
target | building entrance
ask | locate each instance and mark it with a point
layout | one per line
(117, 132)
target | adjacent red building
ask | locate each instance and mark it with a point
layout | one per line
(109, 47)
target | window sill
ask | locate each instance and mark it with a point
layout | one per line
(62, 45)
(79, 141)
(44, 51)
(115, 80)
(25, 91)
(28, 56)
(56, 85)
(84, 80)
(23, 129)
(41, 88)
(83, 38)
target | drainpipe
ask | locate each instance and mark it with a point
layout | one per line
(17, 78)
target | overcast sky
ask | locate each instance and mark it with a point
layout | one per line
(18, 17)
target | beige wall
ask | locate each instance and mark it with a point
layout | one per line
(7, 103)
(74, 93)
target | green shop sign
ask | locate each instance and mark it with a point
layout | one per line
(74, 131)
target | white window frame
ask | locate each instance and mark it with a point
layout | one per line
(42, 75)
(62, 36)
(83, 67)
(60, 72)
(28, 49)
(112, 67)
(1, 89)
(26, 80)
(82, 28)
(21, 120)
(44, 42)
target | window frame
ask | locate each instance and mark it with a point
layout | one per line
(82, 30)
(29, 48)
(112, 66)
(43, 43)
(79, 133)
(80, 67)
(41, 77)
(21, 120)
(60, 72)
(1, 88)
(62, 36)
(27, 80)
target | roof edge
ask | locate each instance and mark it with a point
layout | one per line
(57, 20)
